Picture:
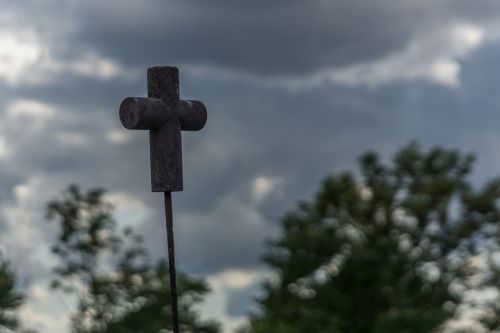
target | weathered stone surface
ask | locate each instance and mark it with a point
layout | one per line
(165, 116)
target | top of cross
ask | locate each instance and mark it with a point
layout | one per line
(163, 83)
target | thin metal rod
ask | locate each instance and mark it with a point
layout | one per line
(171, 260)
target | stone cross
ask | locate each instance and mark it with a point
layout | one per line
(165, 116)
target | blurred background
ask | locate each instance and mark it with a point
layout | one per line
(296, 91)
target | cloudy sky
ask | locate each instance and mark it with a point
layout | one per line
(295, 90)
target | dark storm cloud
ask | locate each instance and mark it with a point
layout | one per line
(253, 130)
(283, 38)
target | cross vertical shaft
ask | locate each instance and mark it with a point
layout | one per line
(165, 141)
(163, 83)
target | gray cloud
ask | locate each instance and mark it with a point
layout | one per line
(238, 301)
(285, 38)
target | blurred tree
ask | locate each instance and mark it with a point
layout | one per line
(394, 248)
(119, 288)
(10, 299)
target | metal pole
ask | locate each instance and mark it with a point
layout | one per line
(171, 260)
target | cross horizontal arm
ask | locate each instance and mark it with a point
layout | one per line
(150, 113)
(144, 113)
(192, 115)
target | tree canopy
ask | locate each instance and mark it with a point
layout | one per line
(10, 299)
(396, 246)
(118, 286)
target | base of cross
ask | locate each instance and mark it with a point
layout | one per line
(171, 260)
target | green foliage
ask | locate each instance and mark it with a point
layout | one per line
(119, 288)
(10, 298)
(393, 248)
